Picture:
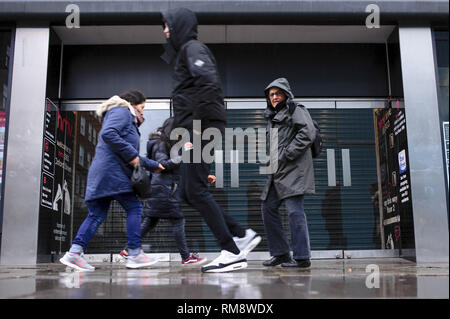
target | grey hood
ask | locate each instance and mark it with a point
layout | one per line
(283, 84)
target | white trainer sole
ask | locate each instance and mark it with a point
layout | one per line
(68, 264)
(195, 264)
(232, 267)
(134, 266)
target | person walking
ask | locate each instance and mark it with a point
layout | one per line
(197, 95)
(116, 153)
(293, 178)
(165, 202)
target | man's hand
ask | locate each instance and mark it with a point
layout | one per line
(211, 179)
(135, 162)
(159, 169)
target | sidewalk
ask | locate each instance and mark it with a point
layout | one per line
(327, 278)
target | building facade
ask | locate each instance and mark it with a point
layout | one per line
(373, 74)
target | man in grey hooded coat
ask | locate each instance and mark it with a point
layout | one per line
(293, 177)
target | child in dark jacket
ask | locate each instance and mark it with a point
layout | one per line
(165, 201)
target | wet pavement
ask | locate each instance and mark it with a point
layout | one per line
(340, 278)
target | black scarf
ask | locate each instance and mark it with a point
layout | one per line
(279, 107)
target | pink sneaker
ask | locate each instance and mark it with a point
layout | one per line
(141, 260)
(124, 254)
(194, 259)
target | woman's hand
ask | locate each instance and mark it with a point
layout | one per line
(134, 162)
(159, 169)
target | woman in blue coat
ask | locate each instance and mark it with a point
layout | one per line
(116, 154)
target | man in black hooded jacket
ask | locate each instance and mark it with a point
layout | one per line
(197, 95)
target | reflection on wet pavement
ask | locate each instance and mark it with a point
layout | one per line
(362, 278)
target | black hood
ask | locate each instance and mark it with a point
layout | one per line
(182, 24)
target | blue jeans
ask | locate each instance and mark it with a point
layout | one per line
(276, 238)
(97, 214)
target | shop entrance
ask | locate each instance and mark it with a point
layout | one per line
(360, 208)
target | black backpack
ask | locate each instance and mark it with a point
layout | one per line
(316, 147)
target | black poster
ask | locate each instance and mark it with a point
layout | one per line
(56, 179)
(395, 179)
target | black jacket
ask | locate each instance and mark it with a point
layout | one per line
(197, 93)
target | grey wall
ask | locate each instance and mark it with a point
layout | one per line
(314, 70)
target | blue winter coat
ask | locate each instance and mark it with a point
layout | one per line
(165, 201)
(118, 141)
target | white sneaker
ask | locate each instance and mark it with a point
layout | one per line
(76, 261)
(247, 243)
(139, 261)
(227, 261)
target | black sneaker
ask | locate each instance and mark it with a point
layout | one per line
(297, 263)
(277, 260)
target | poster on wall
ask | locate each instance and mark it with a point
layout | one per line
(395, 179)
(56, 178)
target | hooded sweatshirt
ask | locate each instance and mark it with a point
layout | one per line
(197, 92)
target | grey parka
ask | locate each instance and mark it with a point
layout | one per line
(296, 133)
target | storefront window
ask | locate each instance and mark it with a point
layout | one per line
(5, 63)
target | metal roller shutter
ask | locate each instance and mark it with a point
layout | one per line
(339, 217)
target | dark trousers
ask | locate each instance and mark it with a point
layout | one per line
(276, 238)
(194, 190)
(150, 223)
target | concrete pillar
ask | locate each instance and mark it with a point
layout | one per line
(24, 156)
(428, 193)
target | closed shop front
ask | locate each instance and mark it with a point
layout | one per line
(345, 214)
